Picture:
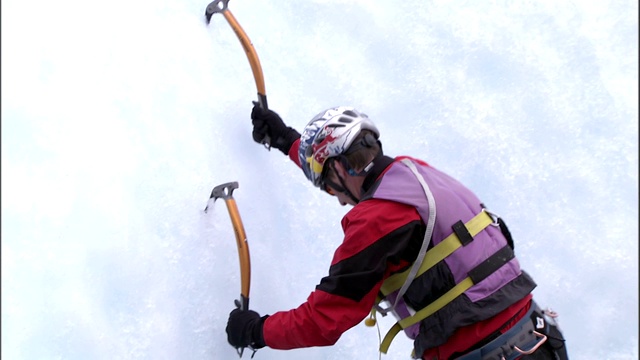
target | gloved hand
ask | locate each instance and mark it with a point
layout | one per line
(268, 123)
(244, 328)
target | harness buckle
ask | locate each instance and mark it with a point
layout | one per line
(494, 217)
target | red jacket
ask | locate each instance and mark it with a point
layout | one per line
(381, 237)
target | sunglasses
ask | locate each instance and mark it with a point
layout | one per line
(328, 190)
(332, 188)
(327, 185)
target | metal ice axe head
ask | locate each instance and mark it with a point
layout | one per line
(216, 6)
(224, 191)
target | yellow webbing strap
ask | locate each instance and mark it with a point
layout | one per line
(433, 256)
(425, 312)
(438, 252)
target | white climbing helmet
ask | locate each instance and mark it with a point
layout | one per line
(329, 134)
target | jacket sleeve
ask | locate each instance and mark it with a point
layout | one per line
(379, 241)
(293, 152)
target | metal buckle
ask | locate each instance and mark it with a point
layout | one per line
(493, 217)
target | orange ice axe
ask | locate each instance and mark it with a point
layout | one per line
(225, 191)
(221, 6)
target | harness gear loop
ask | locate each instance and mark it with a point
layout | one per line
(543, 339)
(524, 338)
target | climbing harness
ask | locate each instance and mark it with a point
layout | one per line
(524, 338)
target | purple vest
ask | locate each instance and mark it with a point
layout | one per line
(453, 202)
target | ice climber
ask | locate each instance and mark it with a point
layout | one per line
(417, 244)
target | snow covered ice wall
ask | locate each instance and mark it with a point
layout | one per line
(119, 118)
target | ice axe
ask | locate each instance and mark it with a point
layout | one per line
(221, 6)
(225, 192)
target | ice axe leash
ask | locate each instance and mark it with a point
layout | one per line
(221, 6)
(225, 192)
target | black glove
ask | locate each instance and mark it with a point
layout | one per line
(268, 123)
(244, 329)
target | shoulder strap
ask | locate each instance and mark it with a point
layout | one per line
(411, 274)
